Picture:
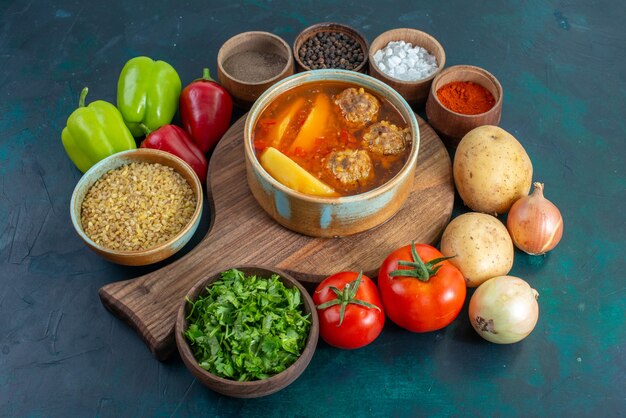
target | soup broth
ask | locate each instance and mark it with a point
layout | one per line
(349, 139)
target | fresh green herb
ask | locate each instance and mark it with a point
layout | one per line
(247, 327)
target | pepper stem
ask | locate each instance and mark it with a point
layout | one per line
(420, 270)
(83, 95)
(345, 297)
(206, 76)
(147, 131)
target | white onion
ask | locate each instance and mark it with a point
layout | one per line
(504, 309)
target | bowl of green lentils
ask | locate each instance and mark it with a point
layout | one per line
(137, 207)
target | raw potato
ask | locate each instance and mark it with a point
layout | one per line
(491, 170)
(481, 245)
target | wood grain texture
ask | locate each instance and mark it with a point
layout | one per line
(242, 233)
(414, 92)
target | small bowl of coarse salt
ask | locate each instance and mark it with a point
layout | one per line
(407, 60)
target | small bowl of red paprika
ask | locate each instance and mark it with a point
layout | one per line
(462, 98)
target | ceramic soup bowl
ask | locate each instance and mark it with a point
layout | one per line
(330, 216)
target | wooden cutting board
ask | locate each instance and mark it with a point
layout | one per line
(242, 233)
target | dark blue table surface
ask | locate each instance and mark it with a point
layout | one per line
(562, 65)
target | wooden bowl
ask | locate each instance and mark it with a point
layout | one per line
(256, 388)
(330, 216)
(313, 30)
(243, 92)
(414, 92)
(452, 125)
(154, 254)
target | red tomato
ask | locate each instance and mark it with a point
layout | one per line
(363, 318)
(425, 303)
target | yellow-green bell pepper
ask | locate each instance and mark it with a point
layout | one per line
(147, 93)
(94, 132)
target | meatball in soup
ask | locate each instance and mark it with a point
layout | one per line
(343, 139)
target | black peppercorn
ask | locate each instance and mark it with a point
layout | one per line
(331, 50)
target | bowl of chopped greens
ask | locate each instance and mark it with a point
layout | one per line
(247, 332)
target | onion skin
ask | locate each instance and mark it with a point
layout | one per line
(534, 223)
(504, 310)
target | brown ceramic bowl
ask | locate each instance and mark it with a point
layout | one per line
(255, 388)
(313, 30)
(154, 254)
(452, 125)
(414, 92)
(245, 92)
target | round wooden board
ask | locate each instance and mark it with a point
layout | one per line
(242, 233)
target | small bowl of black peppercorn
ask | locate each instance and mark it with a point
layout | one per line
(330, 45)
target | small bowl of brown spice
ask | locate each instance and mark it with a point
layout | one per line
(251, 62)
(137, 207)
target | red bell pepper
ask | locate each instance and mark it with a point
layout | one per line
(172, 139)
(205, 110)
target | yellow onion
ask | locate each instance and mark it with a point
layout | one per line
(535, 223)
(504, 309)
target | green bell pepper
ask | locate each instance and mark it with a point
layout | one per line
(94, 132)
(147, 92)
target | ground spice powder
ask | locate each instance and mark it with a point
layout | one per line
(254, 66)
(466, 97)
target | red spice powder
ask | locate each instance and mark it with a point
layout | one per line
(466, 97)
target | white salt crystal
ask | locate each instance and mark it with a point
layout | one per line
(401, 60)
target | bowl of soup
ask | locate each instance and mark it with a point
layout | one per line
(331, 153)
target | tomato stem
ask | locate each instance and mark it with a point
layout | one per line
(346, 297)
(419, 270)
